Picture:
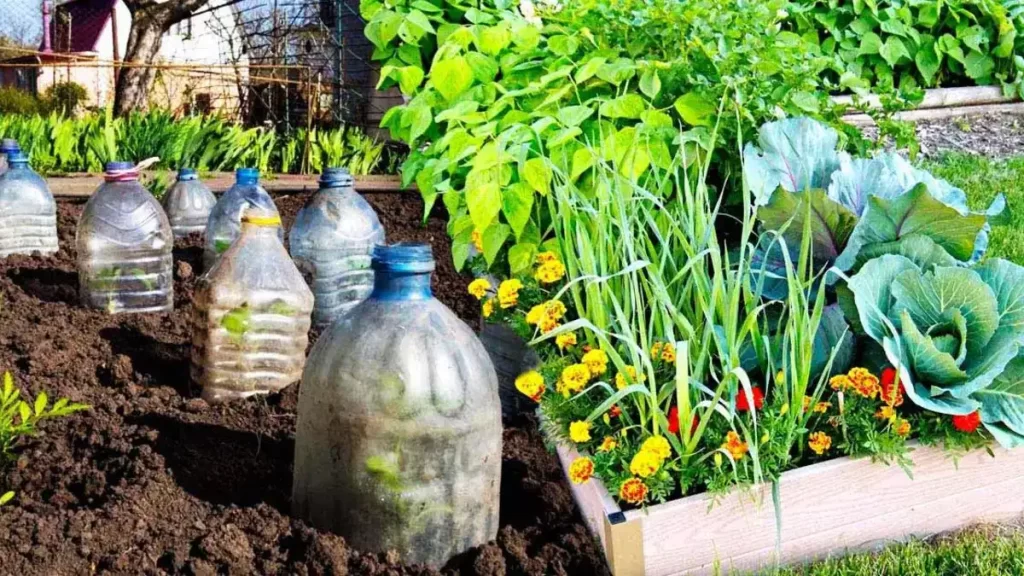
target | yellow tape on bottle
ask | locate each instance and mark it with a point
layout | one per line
(262, 221)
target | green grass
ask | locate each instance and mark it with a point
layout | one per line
(988, 551)
(982, 179)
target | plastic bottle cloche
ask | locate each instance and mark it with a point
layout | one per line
(28, 213)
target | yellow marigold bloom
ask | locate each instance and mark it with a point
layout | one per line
(478, 241)
(735, 445)
(807, 403)
(644, 464)
(656, 350)
(531, 384)
(608, 444)
(668, 353)
(819, 442)
(581, 470)
(902, 427)
(579, 431)
(479, 287)
(575, 377)
(488, 308)
(886, 413)
(565, 340)
(628, 376)
(633, 491)
(841, 383)
(535, 315)
(597, 361)
(547, 325)
(550, 272)
(508, 293)
(658, 446)
(554, 309)
(545, 257)
(864, 382)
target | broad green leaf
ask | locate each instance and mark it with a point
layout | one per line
(493, 239)
(617, 71)
(928, 60)
(525, 37)
(517, 206)
(563, 45)
(627, 106)
(695, 110)
(418, 119)
(538, 174)
(893, 50)
(921, 250)
(236, 321)
(571, 116)
(872, 291)
(589, 69)
(806, 101)
(484, 202)
(833, 335)
(484, 67)
(563, 136)
(831, 223)
(870, 44)
(797, 153)
(451, 77)
(521, 257)
(650, 83)
(409, 79)
(1002, 405)
(582, 160)
(978, 65)
(493, 39)
(930, 364)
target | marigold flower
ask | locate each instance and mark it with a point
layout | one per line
(581, 470)
(840, 383)
(658, 446)
(615, 411)
(579, 431)
(644, 464)
(864, 382)
(633, 491)
(822, 407)
(597, 361)
(628, 376)
(531, 384)
(892, 387)
(607, 445)
(574, 378)
(478, 241)
(668, 353)
(967, 423)
(545, 257)
(479, 287)
(488, 308)
(550, 272)
(547, 325)
(886, 412)
(508, 293)
(565, 340)
(535, 315)
(902, 427)
(656, 350)
(819, 442)
(743, 403)
(734, 445)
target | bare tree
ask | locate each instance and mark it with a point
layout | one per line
(151, 19)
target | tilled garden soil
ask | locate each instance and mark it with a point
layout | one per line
(153, 480)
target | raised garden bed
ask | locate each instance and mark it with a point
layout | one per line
(827, 509)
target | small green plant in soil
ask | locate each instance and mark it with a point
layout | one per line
(20, 418)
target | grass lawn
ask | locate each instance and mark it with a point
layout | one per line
(982, 179)
(978, 551)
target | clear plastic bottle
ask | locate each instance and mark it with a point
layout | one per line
(124, 247)
(252, 316)
(7, 147)
(398, 441)
(188, 204)
(225, 221)
(332, 242)
(28, 213)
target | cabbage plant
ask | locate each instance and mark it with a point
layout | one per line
(954, 332)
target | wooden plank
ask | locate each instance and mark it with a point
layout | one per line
(827, 509)
(595, 503)
(941, 113)
(944, 98)
(83, 185)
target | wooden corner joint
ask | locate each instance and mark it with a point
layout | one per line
(624, 544)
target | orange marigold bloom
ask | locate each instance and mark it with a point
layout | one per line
(864, 382)
(819, 442)
(633, 491)
(581, 470)
(902, 427)
(734, 445)
(886, 412)
(840, 383)
(607, 445)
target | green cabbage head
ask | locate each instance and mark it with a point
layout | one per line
(954, 332)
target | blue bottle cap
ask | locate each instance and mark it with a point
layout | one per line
(247, 176)
(335, 177)
(9, 145)
(17, 158)
(187, 174)
(119, 166)
(413, 258)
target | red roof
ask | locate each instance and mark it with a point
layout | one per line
(85, 19)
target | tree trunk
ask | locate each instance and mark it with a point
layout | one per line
(150, 21)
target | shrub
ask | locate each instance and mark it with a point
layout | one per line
(14, 101)
(64, 98)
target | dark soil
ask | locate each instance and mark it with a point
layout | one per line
(153, 480)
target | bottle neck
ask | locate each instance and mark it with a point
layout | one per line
(400, 285)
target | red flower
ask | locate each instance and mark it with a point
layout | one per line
(892, 387)
(741, 399)
(615, 411)
(968, 423)
(673, 420)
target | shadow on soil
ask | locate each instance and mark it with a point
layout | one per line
(224, 466)
(47, 284)
(157, 362)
